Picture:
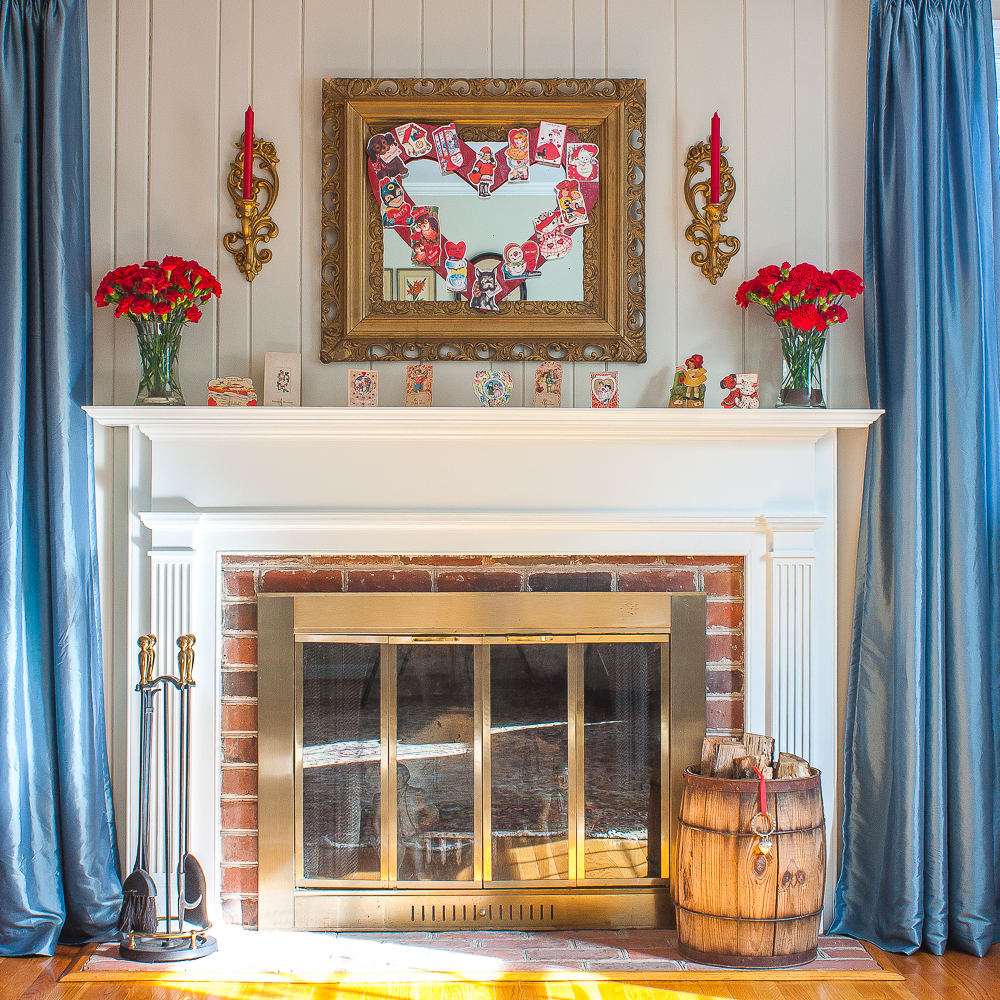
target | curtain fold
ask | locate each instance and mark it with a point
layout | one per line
(58, 856)
(921, 860)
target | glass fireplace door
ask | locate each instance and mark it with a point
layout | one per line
(526, 761)
(479, 761)
(435, 753)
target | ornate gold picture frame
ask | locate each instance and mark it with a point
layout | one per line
(607, 324)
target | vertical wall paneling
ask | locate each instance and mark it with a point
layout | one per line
(235, 93)
(131, 157)
(792, 116)
(810, 133)
(548, 38)
(769, 185)
(590, 49)
(183, 161)
(456, 38)
(847, 31)
(709, 78)
(507, 38)
(642, 44)
(276, 295)
(350, 56)
(102, 40)
(810, 141)
(398, 37)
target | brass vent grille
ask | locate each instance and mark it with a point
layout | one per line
(470, 912)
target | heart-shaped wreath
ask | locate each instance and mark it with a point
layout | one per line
(418, 226)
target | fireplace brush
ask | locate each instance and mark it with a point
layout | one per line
(184, 935)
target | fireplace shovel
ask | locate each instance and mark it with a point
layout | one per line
(190, 876)
(138, 912)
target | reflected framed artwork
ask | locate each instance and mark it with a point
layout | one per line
(431, 174)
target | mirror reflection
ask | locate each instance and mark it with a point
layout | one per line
(486, 225)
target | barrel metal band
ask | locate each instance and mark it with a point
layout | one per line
(738, 833)
(750, 920)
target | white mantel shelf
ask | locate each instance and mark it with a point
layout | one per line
(479, 423)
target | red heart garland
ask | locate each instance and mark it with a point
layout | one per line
(532, 254)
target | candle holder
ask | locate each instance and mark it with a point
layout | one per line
(705, 227)
(256, 224)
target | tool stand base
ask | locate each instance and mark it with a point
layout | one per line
(168, 949)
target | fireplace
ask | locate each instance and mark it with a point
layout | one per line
(471, 759)
(208, 507)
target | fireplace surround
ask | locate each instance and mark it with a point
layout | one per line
(191, 488)
(531, 742)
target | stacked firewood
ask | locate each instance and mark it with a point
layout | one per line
(728, 757)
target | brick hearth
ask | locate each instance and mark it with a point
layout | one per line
(721, 578)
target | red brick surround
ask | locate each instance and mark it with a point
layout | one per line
(721, 578)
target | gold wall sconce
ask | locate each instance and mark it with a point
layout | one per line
(256, 224)
(708, 200)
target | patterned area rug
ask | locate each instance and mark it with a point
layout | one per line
(632, 955)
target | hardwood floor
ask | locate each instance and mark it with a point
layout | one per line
(954, 976)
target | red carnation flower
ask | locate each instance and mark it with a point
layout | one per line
(770, 273)
(162, 308)
(123, 306)
(805, 273)
(141, 307)
(193, 314)
(805, 317)
(835, 314)
(849, 283)
(782, 314)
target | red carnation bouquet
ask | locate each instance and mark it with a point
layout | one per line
(159, 298)
(804, 301)
(172, 289)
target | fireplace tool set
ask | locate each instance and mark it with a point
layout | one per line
(184, 934)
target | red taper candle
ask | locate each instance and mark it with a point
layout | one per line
(248, 155)
(716, 158)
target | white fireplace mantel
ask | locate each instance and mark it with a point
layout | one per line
(195, 483)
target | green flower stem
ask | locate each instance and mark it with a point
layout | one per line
(803, 355)
(159, 339)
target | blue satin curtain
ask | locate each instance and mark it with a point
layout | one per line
(58, 859)
(921, 862)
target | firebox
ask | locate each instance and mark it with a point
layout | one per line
(474, 759)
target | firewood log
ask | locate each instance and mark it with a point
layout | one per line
(708, 751)
(759, 746)
(790, 766)
(725, 756)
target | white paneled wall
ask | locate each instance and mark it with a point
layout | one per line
(170, 80)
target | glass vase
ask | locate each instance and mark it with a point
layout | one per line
(159, 345)
(801, 368)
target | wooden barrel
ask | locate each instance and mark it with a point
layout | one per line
(736, 906)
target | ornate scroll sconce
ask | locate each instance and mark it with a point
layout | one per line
(256, 225)
(704, 230)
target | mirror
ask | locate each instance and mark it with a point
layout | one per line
(383, 300)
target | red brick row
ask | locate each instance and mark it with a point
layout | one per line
(239, 814)
(239, 717)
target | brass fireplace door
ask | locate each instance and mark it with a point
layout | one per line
(508, 761)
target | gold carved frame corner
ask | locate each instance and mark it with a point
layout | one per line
(609, 324)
